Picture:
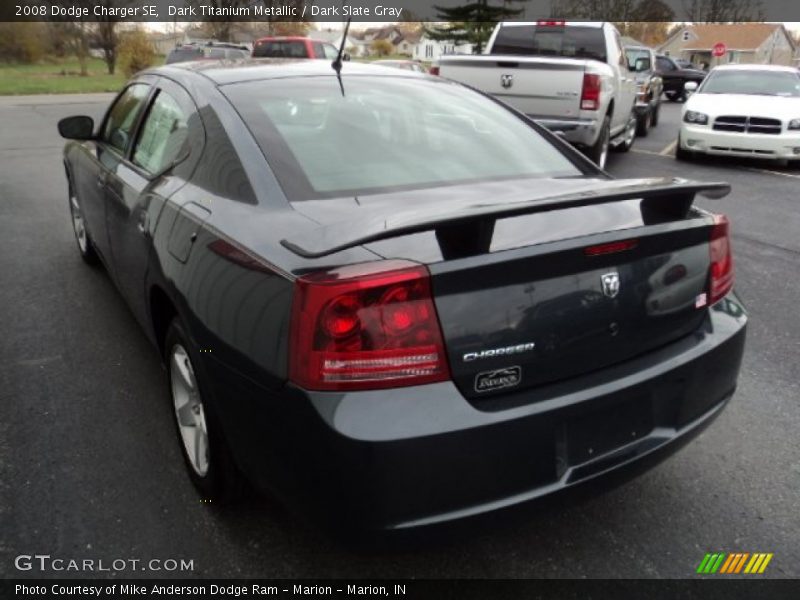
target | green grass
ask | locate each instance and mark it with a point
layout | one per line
(62, 77)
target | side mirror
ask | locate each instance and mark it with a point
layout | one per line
(346, 56)
(690, 87)
(641, 65)
(76, 128)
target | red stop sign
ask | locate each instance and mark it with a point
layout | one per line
(719, 49)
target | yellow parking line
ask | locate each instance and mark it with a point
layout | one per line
(669, 149)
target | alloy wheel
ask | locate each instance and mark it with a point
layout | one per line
(189, 411)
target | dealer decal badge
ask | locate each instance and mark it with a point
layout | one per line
(489, 381)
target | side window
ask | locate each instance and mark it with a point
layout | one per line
(665, 64)
(121, 119)
(163, 134)
(318, 51)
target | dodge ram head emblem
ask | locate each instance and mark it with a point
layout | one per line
(610, 283)
(507, 80)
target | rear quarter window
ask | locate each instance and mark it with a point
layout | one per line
(281, 49)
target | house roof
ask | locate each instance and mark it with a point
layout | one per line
(736, 36)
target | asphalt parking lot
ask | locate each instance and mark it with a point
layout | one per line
(90, 468)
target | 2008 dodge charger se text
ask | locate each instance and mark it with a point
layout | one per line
(391, 300)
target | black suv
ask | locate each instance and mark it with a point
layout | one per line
(675, 77)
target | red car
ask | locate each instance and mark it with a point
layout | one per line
(293, 47)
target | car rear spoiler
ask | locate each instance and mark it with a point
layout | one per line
(662, 198)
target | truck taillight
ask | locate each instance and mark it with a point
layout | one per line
(369, 326)
(434, 70)
(590, 95)
(721, 259)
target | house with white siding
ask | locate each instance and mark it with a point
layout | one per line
(746, 43)
(429, 50)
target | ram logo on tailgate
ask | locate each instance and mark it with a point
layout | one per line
(488, 381)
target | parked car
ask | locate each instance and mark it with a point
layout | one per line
(743, 110)
(686, 64)
(347, 279)
(206, 51)
(675, 77)
(572, 77)
(293, 47)
(649, 87)
(406, 65)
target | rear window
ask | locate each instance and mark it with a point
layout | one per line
(388, 134)
(280, 49)
(634, 54)
(184, 55)
(573, 41)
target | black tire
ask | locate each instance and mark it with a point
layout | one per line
(82, 237)
(655, 115)
(220, 482)
(643, 123)
(598, 153)
(628, 136)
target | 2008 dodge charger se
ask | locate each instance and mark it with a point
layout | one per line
(392, 301)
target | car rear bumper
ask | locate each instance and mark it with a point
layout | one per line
(702, 138)
(578, 131)
(413, 457)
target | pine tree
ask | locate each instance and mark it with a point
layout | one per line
(470, 23)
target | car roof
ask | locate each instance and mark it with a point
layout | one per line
(754, 67)
(595, 24)
(223, 72)
(285, 38)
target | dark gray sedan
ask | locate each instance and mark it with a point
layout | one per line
(392, 301)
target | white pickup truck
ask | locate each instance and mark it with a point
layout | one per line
(571, 77)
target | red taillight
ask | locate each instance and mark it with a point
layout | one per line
(721, 259)
(590, 95)
(550, 23)
(366, 326)
(434, 70)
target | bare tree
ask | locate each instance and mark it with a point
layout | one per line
(73, 36)
(106, 38)
(723, 11)
(594, 10)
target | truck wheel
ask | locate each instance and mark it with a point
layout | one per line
(643, 123)
(628, 136)
(598, 153)
(205, 452)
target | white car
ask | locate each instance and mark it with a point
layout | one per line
(743, 110)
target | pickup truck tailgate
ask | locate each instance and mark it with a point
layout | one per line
(533, 85)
